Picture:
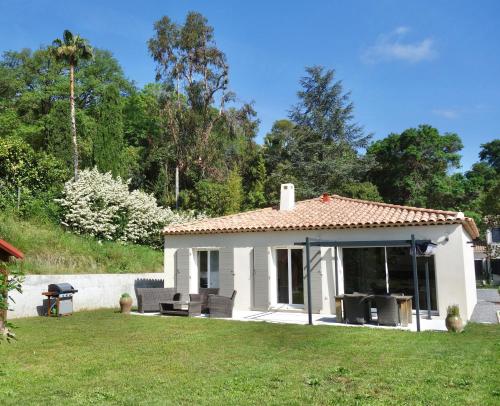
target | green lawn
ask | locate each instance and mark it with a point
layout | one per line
(51, 250)
(105, 357)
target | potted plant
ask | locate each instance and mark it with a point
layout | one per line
(125, 303)
(453, 320)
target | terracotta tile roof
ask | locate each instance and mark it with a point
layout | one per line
(332, 212)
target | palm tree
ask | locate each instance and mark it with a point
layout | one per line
(71, 49)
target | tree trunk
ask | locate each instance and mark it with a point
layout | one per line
(73, 118)
(177, 187)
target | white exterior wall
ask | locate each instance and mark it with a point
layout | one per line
(470, 276)
(95, 291)
(454, 264)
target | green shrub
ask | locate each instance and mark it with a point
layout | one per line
(29, 181)
(125, 296)
(453, 310)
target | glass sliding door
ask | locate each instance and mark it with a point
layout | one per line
(380, 270)
(401, 275)
(364, 270)
(208, 268)
(290, 276)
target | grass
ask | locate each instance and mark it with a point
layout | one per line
(51, 250)
(108, 358)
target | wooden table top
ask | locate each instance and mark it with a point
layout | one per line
(398, 297)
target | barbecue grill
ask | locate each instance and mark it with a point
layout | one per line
(59, 299)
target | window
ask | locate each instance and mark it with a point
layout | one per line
(208, 267)
(495, 235)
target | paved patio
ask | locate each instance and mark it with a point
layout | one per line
(328, 320)
(488, 304)
(434, 324)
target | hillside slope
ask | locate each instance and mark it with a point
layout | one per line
(49, 249)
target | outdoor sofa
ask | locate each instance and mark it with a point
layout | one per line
(149, 299)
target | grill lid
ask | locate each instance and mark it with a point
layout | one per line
(61, 288)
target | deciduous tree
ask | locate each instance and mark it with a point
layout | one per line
(413, 166)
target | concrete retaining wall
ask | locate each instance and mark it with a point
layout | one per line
(94, 291)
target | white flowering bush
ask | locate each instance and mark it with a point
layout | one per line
(103, 207)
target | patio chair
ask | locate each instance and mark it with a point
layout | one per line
(202, 297)
(387, 310)
(221, 306)
(148, 299)
(356, 308)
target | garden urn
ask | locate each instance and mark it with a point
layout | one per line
(125, 303)
(453, 320)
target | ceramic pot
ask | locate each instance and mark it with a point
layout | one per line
(454, 324)
(125, 304)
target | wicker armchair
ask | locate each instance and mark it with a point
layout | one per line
(202, 297)
(387, 310)
(221, 306)
(357, 308)
(148, 299)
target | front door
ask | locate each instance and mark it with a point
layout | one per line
(290, 276)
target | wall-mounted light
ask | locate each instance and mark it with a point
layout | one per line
(426, 249)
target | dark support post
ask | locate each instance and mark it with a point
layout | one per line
(415, 280)
(308, 261)
(427, 289)
(336, 271)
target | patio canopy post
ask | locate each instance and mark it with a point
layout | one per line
(308, 267)
(415, 280)
(336, 270)
(427, 289)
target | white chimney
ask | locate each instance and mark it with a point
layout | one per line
(287, 198)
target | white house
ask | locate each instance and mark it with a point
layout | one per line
(256, 253)
(487, 257)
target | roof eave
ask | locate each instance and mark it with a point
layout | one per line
(470, 227)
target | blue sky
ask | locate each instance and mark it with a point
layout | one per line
(406, 63)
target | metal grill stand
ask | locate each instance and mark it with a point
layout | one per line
(59, 299)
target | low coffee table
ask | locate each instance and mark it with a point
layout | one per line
(180, 308)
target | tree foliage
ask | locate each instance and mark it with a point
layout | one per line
(191, 121)
(319, 147)
(412, 167)
(28, 179)
(195, 74)
(108, 145)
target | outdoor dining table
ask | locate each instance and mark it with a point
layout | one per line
(404, 305)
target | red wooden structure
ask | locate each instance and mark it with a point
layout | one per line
(7, 250)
